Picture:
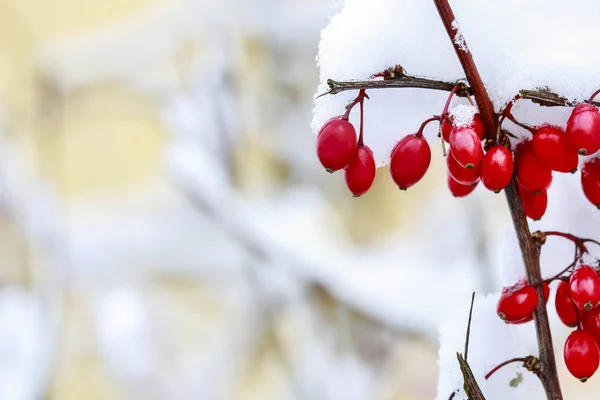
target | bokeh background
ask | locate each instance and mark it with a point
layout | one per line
(166, 229)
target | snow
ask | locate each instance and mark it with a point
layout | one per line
(513, 51)
(463, 115)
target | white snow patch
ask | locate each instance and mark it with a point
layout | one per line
(463, 115)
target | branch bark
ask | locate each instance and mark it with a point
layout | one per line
(529, 250)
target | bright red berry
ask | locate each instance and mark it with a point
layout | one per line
(581, 355)
(517, 303)
(461, 174)
(565, 308)
(530, 317)
(360, 173)
(466, 147)
(531, 173)
(336, 144)
(585, 287)
(551, 148)
(590, 181)
(409, 161)
(590, 322)
(583, 129)
(497, 168)
(458, 189)
(476, 125)
(535, 205)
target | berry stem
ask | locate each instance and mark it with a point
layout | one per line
(576, 240)
(593, 96)
(424, 124)
(449, 100)
(502, 364)
(529, 249)
(362, 118)
(511, 118)
(359, 99)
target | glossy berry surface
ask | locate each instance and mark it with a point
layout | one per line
(581, 355)
(517, 303)
(585, 287)
(530, 317)
(531, 173)
(497, 168)
(565, 308)
(583, 129)
(461, 174)
(446, 129)
(360, 173)
(535, 205)
(551, 148)
(476, 125)
(590, 322)
(336, 144)
(590, 181)
(458, 189)
(466, 147)
(409, 161)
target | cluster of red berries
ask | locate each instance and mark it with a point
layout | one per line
(551, 149)
(577, 304)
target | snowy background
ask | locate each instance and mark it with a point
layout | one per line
(168, 233)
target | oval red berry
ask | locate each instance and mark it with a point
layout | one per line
(336, 144)
(360, 173)
(409, 161)
(497, 168)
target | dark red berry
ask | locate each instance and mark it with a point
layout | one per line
(446, 129)
(497, 168)
(551, 148)
(336, 144)
(535, 205)
(531, 173)
(409, 161)
(590, 181)
(517, 303)
(360, 173)
(590, 322)
(583, 129)
(585, 287)
(466, 147)
(581, 355)
(458, 189)
(461, 174)
(530, 317)
(565, 308)
(478, 126)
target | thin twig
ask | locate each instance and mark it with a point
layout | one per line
(469, 326)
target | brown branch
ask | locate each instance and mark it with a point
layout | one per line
(402, 81)
(471, 386)
(545, 97)
(529, 250)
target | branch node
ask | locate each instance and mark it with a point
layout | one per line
(539, 238)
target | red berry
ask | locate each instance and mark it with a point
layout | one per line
(466, 147)
(461, 174)
(530, 317)
(551, 148)
(446, 129)
(583, 129)
(535, 205)
(531, 173)
(497, 168)
(590, 322)
(360, 173)
(336, 144)
(409, 161)
(585, 287)
(590, 181)
(478, 126)
(517, 303)
(458, 189)
(565, 308)
(581, 355)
